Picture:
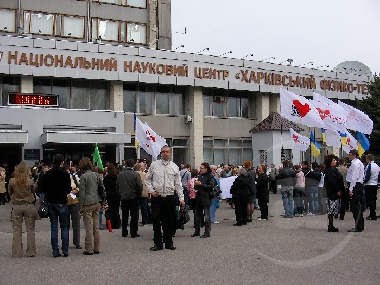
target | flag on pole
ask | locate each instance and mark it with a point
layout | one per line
(323, 135)
(134, 129)
(97, 160)
(363, 143)
(299, 141)
(357, 120)
(343, 137)
(333, 116)
(314, 145)
(333, 138)
(351, 143)
(298, 109)
(148, 139)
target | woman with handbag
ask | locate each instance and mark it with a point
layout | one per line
(89, 205)
(21, 189)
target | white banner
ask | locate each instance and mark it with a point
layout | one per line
(225, 186)
(299, 141)
(357, 120)
(148, 139)
(332, 138)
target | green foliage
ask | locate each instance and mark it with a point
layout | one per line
(371, 106)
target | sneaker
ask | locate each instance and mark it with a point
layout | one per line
(296, 215)
(301, 215)
(216, 222)
(261, 219)
(309, 214)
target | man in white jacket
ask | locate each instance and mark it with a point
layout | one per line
(371, 173)
(162, 180)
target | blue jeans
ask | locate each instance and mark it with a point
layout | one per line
(101, 219)
(313, 199)
(143, 202)
(287, 200)
(214, 206)
(59, 212)
(299, 194)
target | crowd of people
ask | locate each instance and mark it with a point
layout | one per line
(158, 190)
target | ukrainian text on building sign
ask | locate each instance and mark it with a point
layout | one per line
(164, 69)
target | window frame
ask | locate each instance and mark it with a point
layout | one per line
(15, 21)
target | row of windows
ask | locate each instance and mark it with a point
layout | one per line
(143, 99)
(231, 151)
(132, 3)
(70, 26)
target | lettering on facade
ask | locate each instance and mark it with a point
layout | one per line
(152, 68)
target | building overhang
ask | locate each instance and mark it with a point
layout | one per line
(85, 137)
(13, 136)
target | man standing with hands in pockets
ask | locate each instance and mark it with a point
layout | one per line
(355, 176)
(162, 180)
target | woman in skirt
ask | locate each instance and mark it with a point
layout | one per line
(334, 187)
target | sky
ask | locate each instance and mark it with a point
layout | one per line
(324, 32)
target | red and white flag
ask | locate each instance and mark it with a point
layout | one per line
(298, 109)
(333, 116)
(352, 143)
(332, 138)
(148, 139)
(299, 141)
(357, 120)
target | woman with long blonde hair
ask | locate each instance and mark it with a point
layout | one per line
(21, 189)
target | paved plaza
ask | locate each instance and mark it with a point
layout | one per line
(278, 251)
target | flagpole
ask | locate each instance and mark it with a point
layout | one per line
(134, 130)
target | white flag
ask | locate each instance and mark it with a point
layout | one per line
(148, 139)
(351, 143)
(333, 116)
(299, 141)
(332, 138)
(357, 120)
(298, 109)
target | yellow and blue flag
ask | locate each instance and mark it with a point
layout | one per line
(314, 146)
(343, 138)
(363, 143)
(323, 135)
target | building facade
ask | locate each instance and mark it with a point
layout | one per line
(64, 94)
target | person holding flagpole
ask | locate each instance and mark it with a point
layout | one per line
(161, 181)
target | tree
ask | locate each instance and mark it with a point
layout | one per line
(371, 106)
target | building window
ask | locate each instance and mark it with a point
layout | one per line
(286, 154)
(8, 84)
(263, 157)
(72, 27)
(8, 20)
(230, 151)
(75, 94)
(136, 33)
(227, 103)
(149, 99)
(132, 3)
(38, 23)
(108, 30)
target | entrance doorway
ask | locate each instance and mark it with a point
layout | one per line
(10, 155)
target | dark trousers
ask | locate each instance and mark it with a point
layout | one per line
(73, 213)
(356, 206)
(2, 198)
(241, 212)
(371, 197)
(200, 213)
(129, 207)
(263, 204)
(143, 202)
(273, 186)
(344, 203)
(163, 212)
(113, 213)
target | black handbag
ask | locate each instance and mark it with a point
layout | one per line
(43, 210)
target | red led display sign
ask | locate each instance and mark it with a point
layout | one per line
(33, 99)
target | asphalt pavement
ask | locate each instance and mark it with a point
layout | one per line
(277, 251)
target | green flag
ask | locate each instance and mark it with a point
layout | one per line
(97, 159)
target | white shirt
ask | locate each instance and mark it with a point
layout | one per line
(355, 173)
(374, 173)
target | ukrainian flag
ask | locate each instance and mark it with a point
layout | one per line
(343, 138)
(363, 143)
(323, 135)
(314, 146)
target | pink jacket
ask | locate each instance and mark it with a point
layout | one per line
(190, 188)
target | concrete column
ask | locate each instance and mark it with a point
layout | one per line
(26, 84)
(274, 103)
(116, 96)
(262, 107)
(152, 29)
(196, 127)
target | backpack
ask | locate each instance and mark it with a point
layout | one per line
(215, 193)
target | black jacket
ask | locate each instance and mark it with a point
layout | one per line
(109, 183)
(56, 185)
(262, 187)
(203, 197)
(312, 178)
(333, 182)
(129, 184)
(241, 189)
